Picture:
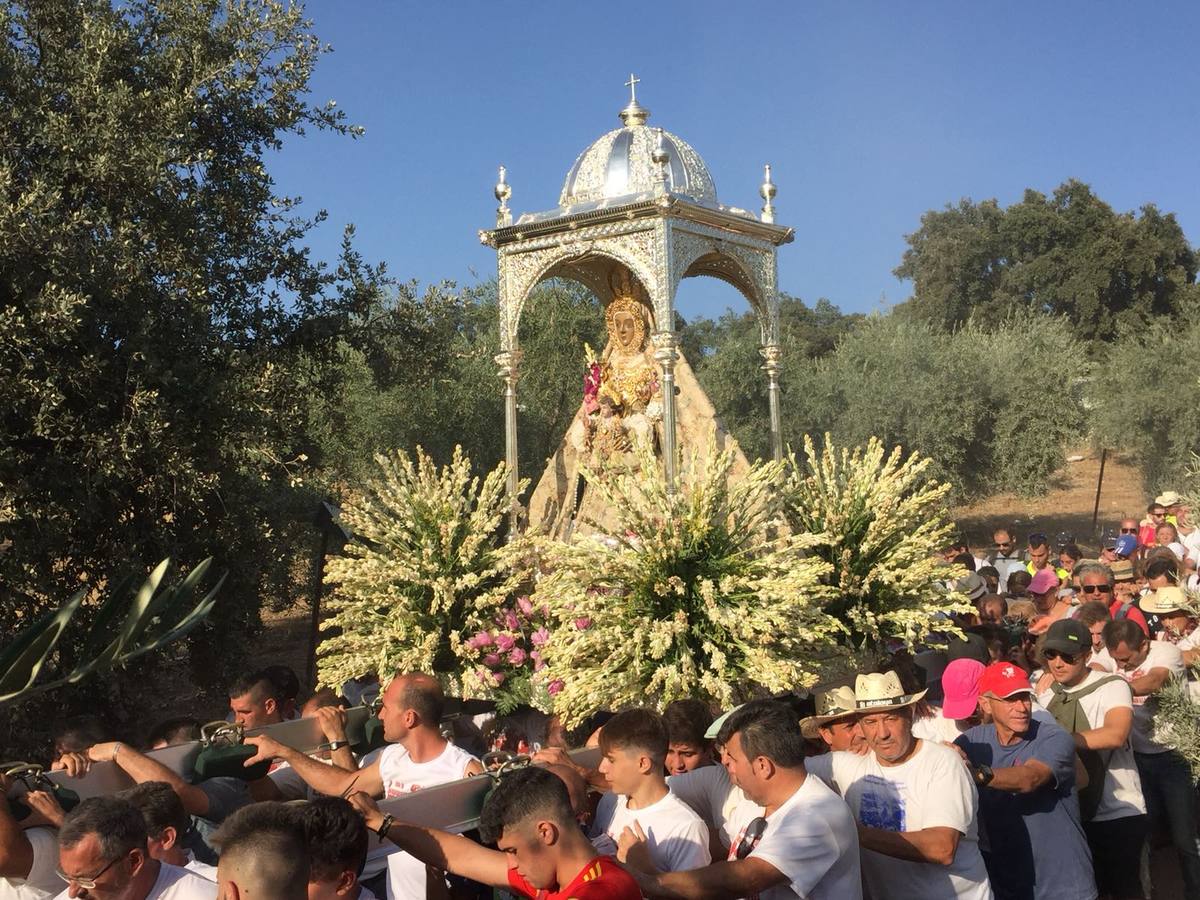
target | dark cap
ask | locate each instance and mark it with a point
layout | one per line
(971, 647)
(1068, 636)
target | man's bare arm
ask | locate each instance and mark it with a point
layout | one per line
(333, 781)
(142, 768)
(1152, 681)
(719, 881)
(929, 845)
(1023, 779)
(1109, 736)
(440, 849)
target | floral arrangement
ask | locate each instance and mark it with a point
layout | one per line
(697, 594)
(504, 659)
(885, 524)
(427, 563)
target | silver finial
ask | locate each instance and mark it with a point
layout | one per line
(634, 113)
(503, 192)
(660, 158)
(767, 191)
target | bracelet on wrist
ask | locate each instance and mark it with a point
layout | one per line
(382, 830)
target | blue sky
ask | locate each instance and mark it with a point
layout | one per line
(870, 114)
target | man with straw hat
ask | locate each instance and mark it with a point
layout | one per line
(836, 721)
(914, 800)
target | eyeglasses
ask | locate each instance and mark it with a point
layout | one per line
(1000, 545)
(1129, 531)
(751, 837)
(87, 884)
(1069, 658)
(1095, 589)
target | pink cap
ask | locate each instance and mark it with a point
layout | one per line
(960, 687)
(1043, 580)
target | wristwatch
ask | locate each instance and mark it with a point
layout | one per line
(338, 745)
(983, 775)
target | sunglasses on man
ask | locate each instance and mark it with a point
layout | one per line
(1129, 531)
(1070, 659)
(753, 834)
(1095, 589)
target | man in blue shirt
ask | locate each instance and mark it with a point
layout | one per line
(1025, 770)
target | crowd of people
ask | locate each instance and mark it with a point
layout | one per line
(1018, 758)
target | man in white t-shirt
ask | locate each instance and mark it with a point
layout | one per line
(1098, 711)
(634, 747)
(795, 837)
(417, 757)
(914, 800)
(264, 854)
(1167, 781)
(102, 851)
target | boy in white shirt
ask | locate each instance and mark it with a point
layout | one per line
(634, 748)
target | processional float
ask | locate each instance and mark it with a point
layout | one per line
(638, 213)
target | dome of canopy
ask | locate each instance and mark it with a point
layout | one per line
(620, 163)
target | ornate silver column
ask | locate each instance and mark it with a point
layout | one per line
(664, 352)
(510, 365)
(772, 353)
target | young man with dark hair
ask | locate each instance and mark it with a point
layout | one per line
(634, 746)
(103, 855)
(169, 732)
(417, 756)
(687, 747)
(168, 826)
(264, 854)
(541, 851)
(255, 700)
(794, 837)
(337, 849)
(1097, 710)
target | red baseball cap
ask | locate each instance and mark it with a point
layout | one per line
(1003, 680)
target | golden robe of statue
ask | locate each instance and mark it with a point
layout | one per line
(622, 402)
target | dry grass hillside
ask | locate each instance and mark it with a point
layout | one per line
(1067, 507)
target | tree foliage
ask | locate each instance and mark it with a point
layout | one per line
(155, 298)
(1067, 255)
(991, 408)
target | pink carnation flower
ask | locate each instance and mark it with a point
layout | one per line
(480, 640)
(492, 659)
(583, 623)
(498, 678)
(540, 637)
(505, 642)
(517, 656)
(538, 662)
(556, 686)
(511, 622)
(525, 606)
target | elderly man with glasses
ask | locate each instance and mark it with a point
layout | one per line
(103, 853)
